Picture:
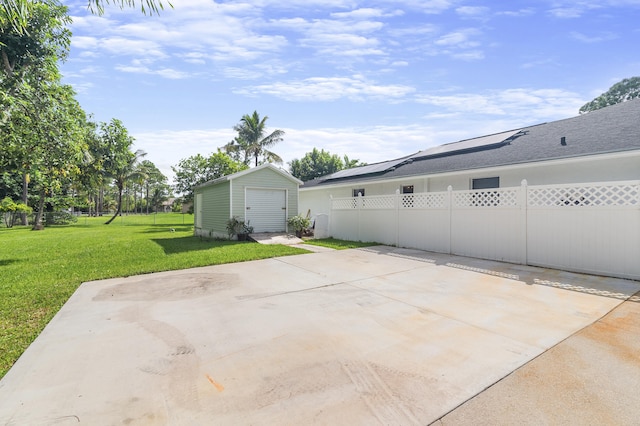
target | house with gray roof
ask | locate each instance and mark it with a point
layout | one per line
(602, 145)
(563, 194)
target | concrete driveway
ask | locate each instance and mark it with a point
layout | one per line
(365, 336)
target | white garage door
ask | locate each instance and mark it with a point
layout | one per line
(266, 210)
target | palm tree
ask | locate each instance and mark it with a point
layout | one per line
(124, 173)
(251, 140)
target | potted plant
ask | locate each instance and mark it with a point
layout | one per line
(234, 226)
(299, 223)
(245, 230)
(237, 227)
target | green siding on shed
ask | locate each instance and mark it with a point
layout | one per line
(225, 197)
(215, 207)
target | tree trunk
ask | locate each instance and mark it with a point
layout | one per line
(147, 197)
(24, 217)
(100, 201)
(135, 200)
(37, 223)
(119, 209)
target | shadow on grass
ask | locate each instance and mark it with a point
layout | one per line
(190, 243)
(5, 262)
(167, 229)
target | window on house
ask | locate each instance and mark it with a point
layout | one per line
(407, 200)
(485, 183)
(486, 198)
(357, 192)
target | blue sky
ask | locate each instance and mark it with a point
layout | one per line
(374, 80)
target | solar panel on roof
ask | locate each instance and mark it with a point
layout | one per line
(446, 149)
(366, 170)
(467, 144)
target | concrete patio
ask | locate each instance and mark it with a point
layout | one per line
(364, 336)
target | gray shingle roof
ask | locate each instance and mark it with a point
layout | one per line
(612, 129)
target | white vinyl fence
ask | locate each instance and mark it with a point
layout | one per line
(592, 227)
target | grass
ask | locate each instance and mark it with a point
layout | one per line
(339, 244)
(41, 269)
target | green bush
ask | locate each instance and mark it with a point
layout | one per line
(299, 222)
(59, 218)
(11, 210)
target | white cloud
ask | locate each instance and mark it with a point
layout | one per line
(569, 9)
(168, 73)
(517, 13)
(607, 36)
(472, 11)
(461, 39)
(428, 6)
(366, 13)
(355, 88)
(523, 104)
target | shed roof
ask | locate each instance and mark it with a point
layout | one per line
(608, 130)
(233, 176)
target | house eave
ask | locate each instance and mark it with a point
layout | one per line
(248, 171)
(493, 168)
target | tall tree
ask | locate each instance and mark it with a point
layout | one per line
(197, 169)
(320, 163)
(32, 53)
(92, 176)
(45, 139)
(30, 48)
(119, 161)
(623, 91)
(253, 142)
(152, 179)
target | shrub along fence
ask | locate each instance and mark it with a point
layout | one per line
(590, 227)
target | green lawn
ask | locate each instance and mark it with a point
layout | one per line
(39, 270)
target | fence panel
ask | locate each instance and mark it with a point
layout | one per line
(593, 228)
(343, 224)
(424, 229)
(486, 224)
(378, 225)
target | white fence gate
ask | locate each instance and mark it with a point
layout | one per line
(593, 227)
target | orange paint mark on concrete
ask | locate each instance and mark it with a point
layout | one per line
(218, 386)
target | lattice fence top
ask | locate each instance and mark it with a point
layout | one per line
(379, 202)
(344, 203)
(592, 195)
(430, 200)
(486, 198)
(613, 194)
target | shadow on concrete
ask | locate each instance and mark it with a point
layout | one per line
(616, 288)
